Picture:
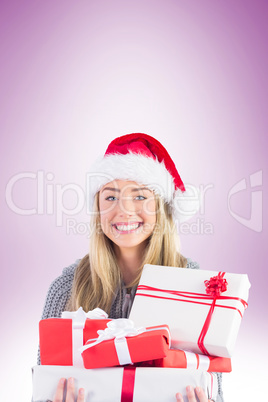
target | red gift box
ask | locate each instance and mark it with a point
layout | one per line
(181, 359)
(58, 345)
(128, 346)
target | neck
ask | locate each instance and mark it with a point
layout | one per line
(129, 261)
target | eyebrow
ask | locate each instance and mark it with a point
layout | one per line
(134, 189)
(141, 188)
(111, 189)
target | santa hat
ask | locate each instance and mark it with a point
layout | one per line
(141, 158)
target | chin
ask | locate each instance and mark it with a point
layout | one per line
(129, 243)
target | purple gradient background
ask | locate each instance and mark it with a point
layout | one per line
(76, 74)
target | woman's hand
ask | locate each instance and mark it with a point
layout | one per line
(191, 395)
(70, 395)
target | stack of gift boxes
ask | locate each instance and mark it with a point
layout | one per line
(182, 329)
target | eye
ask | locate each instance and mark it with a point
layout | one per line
(140, 198)
(110, 198)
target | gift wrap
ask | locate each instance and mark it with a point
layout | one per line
(121, 343)
(181, 359)
(61, 338)
(178, 298)
(120, 384)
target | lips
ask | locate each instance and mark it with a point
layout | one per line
(127, 227)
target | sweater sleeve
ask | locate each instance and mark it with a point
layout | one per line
(192, 264)
(59, 293)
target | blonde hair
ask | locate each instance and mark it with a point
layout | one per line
(98, 276)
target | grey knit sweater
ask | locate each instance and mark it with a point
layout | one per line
(59, 293)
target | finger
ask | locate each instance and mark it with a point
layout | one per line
(190, 394)
(81, 395)
(179, 397)
(59, 391)
(201, 394)
(70, 390)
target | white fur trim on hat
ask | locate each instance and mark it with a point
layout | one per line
(145, 171)
(185, 204)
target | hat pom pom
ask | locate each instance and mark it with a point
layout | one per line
(186, 204)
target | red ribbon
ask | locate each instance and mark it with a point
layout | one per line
(214, 287)
(128, 384)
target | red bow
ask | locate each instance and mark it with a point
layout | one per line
(216, 285)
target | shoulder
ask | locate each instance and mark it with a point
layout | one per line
(65, 280)
(59, 292)
(70, 270)
(192, 264)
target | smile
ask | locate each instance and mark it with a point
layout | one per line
(127, 228)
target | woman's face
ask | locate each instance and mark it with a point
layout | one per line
(127, 212)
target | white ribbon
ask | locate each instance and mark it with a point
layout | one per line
(96, 314)
(118, 330)
(78, 323)
(192, 361)
(203, 362)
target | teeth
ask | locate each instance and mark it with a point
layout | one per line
(127, 227)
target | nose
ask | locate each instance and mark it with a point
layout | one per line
(127, 206)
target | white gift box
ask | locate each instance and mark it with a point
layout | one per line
(106, 385)
(177, 297)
